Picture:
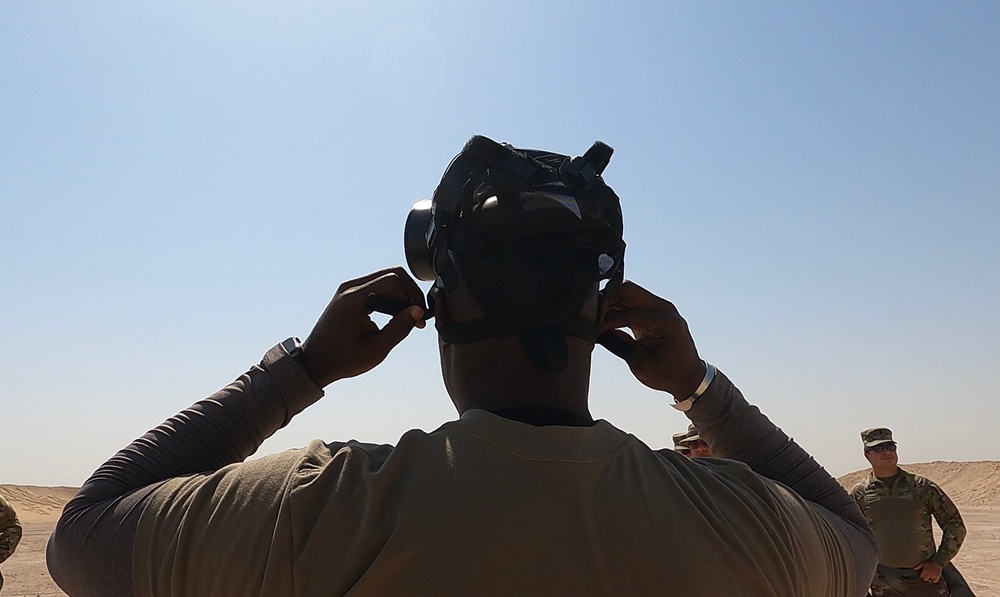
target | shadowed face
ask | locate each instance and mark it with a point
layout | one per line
(699, 448)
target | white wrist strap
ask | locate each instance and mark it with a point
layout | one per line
(688, 402)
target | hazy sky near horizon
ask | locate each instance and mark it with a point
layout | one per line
(185, 184)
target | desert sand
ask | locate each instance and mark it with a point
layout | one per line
(974, 486)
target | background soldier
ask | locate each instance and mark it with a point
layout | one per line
(899, 506)
(10, 531)
(698, 446)
(678, 446)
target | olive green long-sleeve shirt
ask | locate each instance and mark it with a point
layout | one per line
(483, 505)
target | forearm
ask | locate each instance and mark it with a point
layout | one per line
(943, 555)
(739, 431)
(212, 433)
(91, 549)
(952, 537)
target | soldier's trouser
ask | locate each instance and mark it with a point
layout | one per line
(886, 585)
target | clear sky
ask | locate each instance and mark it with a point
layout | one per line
(184, 184)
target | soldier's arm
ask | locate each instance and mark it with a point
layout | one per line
(665, 358)
(90, 552)
(949, 519)
(739, 431)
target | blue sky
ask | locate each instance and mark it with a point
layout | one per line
(185, 184)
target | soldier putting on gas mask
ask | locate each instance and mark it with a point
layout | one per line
(526, 492)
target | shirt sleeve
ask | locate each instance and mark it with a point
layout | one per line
(739, 431)
(950, 520)
(90, 551)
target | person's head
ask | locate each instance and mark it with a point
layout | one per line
(880, 450)
(517, 243)
(678, 446)
(698, 446)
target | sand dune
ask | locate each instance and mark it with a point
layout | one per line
(974, 486)
(37, 504)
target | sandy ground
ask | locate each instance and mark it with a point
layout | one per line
(974, 486)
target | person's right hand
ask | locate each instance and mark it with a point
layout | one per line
(345, 341)
(665, 358)
(929, 571)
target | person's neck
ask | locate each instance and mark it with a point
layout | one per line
(886, 472)
(502, 392)
(494, 376)
(543, 416)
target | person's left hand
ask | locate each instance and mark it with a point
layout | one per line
(345, 341)
(929, 571)
(665, 357)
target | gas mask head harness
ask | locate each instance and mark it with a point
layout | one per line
(530, 233)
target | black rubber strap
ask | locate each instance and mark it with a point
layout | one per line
(502, 325)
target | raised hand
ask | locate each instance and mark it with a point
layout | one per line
(665, 357)
(345, 342)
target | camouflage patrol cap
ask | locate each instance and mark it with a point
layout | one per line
(678, 446)
(877, 436)
(691, 436)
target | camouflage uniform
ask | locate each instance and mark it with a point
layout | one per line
(883, 506)
(10, 531)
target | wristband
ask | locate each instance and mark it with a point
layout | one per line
(293, 348)
(687, 403)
